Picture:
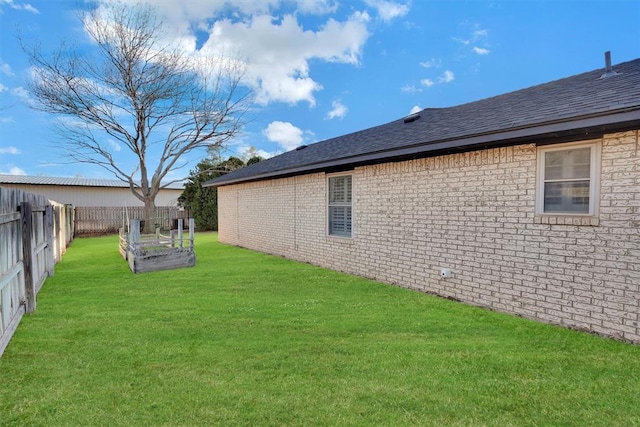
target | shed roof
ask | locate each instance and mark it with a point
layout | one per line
(71, 182)
(584, 105)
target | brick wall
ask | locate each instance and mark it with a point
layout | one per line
(473, 213)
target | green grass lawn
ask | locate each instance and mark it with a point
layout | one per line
(248, 339)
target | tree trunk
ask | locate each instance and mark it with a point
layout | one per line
(149, 217)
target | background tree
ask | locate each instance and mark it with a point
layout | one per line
(134, 90)
(203, 202)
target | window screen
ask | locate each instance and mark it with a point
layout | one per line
(567, 181)
(340, 220)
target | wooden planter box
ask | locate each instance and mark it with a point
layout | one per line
(146, 253)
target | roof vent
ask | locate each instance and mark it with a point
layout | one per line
(608, 69)
(411, 118)
(302, 147)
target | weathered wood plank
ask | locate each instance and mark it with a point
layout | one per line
(10, 274)
(9, 217)
(27, 256)
(48, 233)
(144, 264)
(10, 329)
(192, 228)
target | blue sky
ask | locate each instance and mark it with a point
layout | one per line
(323, 68)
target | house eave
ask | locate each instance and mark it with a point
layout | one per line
(546, 133)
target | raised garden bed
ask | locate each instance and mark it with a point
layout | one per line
(157, 252)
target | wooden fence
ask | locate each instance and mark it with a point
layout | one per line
(108, 220)
(34, 234)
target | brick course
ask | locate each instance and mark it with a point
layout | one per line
(474, 213)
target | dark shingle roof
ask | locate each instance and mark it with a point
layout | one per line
(578, 106)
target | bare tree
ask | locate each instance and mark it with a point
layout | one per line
(136, 91)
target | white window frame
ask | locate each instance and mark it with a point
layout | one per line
(329, 205)
(594, 177)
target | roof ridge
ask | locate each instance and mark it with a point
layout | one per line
(597, 71)
(561, 109)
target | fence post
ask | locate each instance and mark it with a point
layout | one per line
(127, 235)
(180, 225)
(75, 222)
(48, 235)
(58, 232)
(70, 217)
(134, 231)
(27, 256)
(192, 226)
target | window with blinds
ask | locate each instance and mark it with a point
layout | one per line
(567, 179)
(339, 201)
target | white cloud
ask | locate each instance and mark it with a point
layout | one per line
(338, 110)
(30, 8)
(114, 145)
(6, 69)
(277, 53)
(431, 63)
(285, 134)
(21, 92)
(9, 150)
(3, 88)
(17, 171)
(201, 10)
(446, 77)
(475, 34)
(427, 82)
(19, 6)
(244, 151)
(14, 171)
(410, 89)
(415, 109)
(479, 34)
(317, 7)
(388, 10)
(480, 50)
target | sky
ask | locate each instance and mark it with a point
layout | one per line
(325, 68)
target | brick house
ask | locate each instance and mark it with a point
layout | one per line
(529, 202)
